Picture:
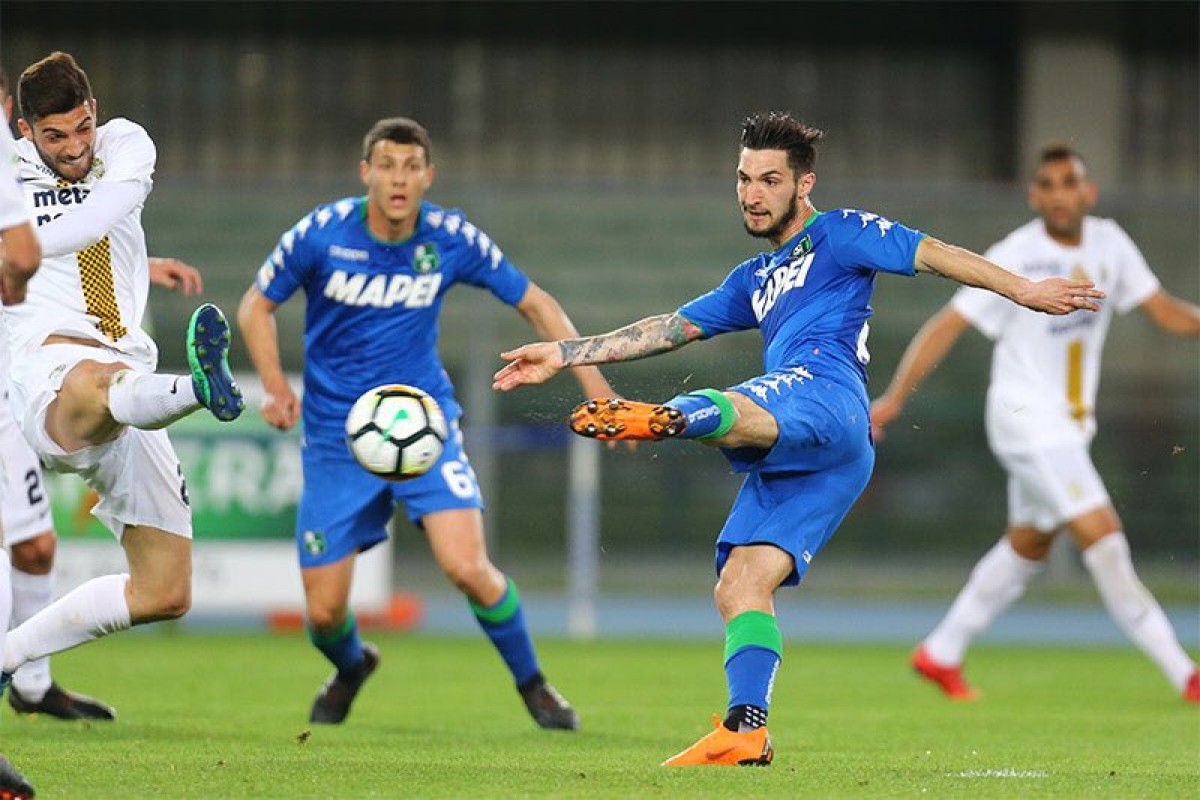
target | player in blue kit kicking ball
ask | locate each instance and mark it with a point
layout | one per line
(375, 271)
(800, 432)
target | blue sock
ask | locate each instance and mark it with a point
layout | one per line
(343, 647)
(753, 650)
(504, 624)
(709, 413)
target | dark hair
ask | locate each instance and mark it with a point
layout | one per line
(779, 130)
(54, 85)
(400, 130)
(1058, 151)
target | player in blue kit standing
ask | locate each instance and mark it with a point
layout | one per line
(375, 271)
(800, 432)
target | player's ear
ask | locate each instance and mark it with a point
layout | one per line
(430, 173)
(806, 183)
(363, 169)
(24, 128)
(1091, 193)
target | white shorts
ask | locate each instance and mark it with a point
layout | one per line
(137, 475)
(24, 503)
(1050, 486)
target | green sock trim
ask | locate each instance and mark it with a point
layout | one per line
(502, 611)
(753, 629)
(725, 406)
(319, 638)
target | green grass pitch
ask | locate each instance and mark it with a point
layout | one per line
(207, 715)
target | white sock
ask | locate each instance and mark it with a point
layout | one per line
(95, 609)
(5, 597)
(1134, 609)
(30, 594)
(148, 400)
(997, 581)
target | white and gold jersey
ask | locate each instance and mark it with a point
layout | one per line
(12, 201)
(94, 277)
(1046, 369)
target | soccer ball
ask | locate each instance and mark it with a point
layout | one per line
(396, 432)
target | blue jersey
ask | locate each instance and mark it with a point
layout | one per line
(812, 295)
(372, 313)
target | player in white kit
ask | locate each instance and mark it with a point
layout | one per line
(83, 387)
(20, 254)
(1040, 420)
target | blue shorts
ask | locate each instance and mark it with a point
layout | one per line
(799, 491)
(345, 510)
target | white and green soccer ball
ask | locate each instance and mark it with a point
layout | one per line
(396, 431)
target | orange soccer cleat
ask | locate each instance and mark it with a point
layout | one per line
(949, 679)
(726, 748)
(1191, 692)
(614, 418)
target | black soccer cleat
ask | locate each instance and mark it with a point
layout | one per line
(62, 704)
(13, 785)
(337, 695)
(549, 709)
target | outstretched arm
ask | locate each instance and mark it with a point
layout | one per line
(550, 322)
(1052, 295)
(926, 350)
(1172, 315)
(538, 362)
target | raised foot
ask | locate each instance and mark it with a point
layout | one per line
(726, 748)
(208, 356)
(947, 678)
(610, 418)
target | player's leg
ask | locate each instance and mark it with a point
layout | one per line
(33, 690)
(1106, 554)
(1042, 485)
(344, 511)
(143, 498)
(753, 648)
(157, 587)
(333, 630)
(996, 582)
(100, 394)
(724, 419)
(457, 540)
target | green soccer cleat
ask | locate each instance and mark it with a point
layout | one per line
(208, 356)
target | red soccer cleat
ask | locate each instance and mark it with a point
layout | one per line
(949, 679)
(1191, 691)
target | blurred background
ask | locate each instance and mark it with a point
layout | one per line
(596, 143)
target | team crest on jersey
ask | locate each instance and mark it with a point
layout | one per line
(802, 248)
(425, 259)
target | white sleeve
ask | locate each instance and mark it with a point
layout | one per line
(12, 200)
(88, 222)
(1135, 282)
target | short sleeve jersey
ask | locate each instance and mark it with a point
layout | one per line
(12, 199)
(1049, 366)
(99, 292)
(12, 214)
(811, 297)
(372, 306)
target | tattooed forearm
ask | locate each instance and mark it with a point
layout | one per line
(643, 338)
